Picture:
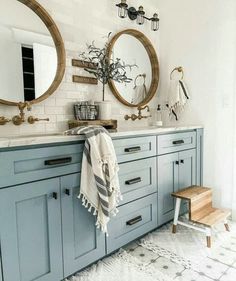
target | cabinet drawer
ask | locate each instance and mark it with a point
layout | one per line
(175, 142)
(135, 148)
(28, 165)
(133, 220)
(137, 179)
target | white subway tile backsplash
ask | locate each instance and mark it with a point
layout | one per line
(54, 110)
(28, 129)
(64, 102)
(51, 127)
(51, 101)
(37, 109)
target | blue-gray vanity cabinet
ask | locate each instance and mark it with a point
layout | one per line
(30, 232)
(135, 148)
(187, 168)
(0, 268)
(170, 143)
(174, 171)
(83, 243)
(167, 178)
(137, 179)
(133, 220)
(26, 165)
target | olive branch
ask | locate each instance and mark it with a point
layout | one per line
(105, 68)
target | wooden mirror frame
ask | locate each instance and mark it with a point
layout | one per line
(60, 49)
(153, 60)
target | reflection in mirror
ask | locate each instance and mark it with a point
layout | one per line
(27, 53)
(129, 49)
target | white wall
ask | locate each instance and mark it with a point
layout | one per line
(200, 36)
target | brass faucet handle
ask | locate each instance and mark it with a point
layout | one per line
(18, 119)
(4, 120)
(32, 119)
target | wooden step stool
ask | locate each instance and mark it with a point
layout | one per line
(200, 210)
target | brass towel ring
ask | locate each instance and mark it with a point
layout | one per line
(179, 69)
(140, 75)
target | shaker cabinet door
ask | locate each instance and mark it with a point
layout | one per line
(31, 232)
(167, 167)
(175, 171)
(187, 168)
(83, 243)
(1, 278)
(187, 173)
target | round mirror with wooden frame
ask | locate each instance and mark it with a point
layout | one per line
(133, 48)
(27, 25)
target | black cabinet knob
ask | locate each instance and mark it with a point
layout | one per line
(67, 191)
(54, 195)
(182, 161)
(177, 162)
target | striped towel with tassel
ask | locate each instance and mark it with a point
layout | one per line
(99, 186)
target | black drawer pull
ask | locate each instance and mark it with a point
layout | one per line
(133, 149)
(177, 162)
(134, 221)
(133, 181)
(178, 142)
(182, 161)
(57, 161)
(54, 195)
(67, 191)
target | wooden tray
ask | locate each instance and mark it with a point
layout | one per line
(108, 124)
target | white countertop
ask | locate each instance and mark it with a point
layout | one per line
(14, 141)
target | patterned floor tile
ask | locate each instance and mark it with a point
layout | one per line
(224, 256)
(230, 245)
(211, 268)
(130, 247)
(145, 256)
(168, 267)
(230, 275)
(189, 275)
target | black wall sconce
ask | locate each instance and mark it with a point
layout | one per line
(139, 15)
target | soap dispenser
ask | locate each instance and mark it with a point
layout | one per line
(158, 118)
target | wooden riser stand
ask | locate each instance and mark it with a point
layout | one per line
(201, 211)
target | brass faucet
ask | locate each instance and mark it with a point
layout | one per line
(4, 120)
(139, 116)
(19, 119)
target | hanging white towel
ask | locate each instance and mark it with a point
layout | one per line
(177, 97)
(140, 93)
